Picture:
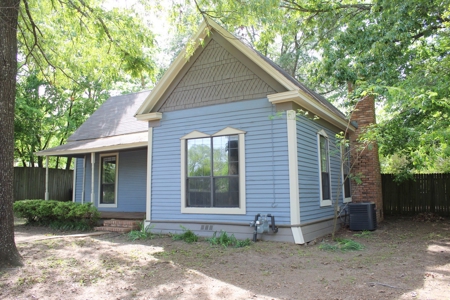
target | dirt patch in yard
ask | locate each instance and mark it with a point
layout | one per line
(403, 259)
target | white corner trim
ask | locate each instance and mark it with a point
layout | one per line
(228, 131)
(148, 205)
(298, 235)
(294, 193)
(194, 135)
(294, 189)
(154, 116)
(116, 184)
(307, 102)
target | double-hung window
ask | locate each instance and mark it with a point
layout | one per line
(324, 168)
(213, 180)
(108, 180)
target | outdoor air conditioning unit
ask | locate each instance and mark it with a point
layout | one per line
(362, 216)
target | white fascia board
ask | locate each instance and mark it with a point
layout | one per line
(171, 73)
(94, 150)
(154, 116)
(253, 56)
(311, 105)
(181, 60)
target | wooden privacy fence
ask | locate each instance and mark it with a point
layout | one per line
(423, 193)
(29, 183)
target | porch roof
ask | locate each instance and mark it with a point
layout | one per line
(112, 143)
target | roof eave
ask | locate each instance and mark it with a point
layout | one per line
(91, 150)
(313, 106)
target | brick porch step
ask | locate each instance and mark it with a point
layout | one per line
(114, 225)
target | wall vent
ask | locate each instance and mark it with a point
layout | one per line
(362, 216)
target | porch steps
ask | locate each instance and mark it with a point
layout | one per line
(115, 225)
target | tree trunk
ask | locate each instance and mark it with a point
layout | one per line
(9, 10)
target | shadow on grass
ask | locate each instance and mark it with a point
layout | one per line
(401, 260)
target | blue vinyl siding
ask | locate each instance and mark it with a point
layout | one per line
(267, 174)
(131, 189)
(309, 173)
(79, 179)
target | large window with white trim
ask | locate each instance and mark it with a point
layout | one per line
(212, 172)
(108, 180)
(324, 168)
(212, 177)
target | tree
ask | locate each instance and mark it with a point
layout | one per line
(9, 10)
(93, 23)
(395, 50)
(60, 87)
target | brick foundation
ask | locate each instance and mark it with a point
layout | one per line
(366, 162)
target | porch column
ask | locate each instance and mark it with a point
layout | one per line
(46, 178)
(92, 176)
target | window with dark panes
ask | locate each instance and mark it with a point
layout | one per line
(325, 168)
(108, 180)
(212, 172)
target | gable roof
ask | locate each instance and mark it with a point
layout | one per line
(111, 127)
(295, 91)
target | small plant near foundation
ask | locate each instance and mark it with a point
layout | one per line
(342, 245)
(364, 234)
(226, 240)
(188, 236)
(144, 233)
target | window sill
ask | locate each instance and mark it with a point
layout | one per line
(108, 205)
(325, 203)
(213, 210)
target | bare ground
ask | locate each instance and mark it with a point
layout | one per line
(403, 259)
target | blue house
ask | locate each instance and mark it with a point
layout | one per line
(207, 148)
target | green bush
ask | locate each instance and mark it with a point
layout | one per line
(226, 240)
(188, 235)
(56, 214)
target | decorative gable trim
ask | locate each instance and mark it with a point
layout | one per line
(194, 135)
(228, 131)
(313, 106)
(154, 116)
(323, 133)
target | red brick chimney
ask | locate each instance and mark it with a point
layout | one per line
(366, 162)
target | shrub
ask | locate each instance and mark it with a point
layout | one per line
(342, 245)
(141, 234)
(188, 236)
(226, 240)
(61, 215)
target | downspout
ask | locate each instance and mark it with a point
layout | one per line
(148, 206)
(92, 176)
(46, 178)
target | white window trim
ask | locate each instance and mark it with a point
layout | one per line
(241, 210)
(326, 202)
(348, 199)
(116, 154)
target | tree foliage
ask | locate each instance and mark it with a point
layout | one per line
(395, 50)
(71, 56)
